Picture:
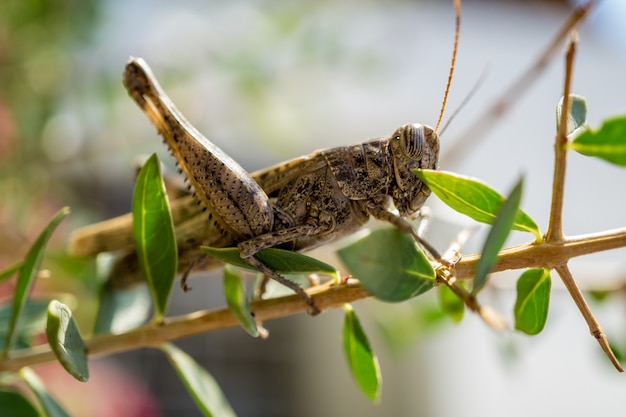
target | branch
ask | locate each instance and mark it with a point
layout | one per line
(555, 222)
(594, 326)
(483, 124)
(326, 297)
(152, 335)
(546, 254)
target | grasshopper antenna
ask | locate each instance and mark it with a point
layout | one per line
(468, 97)
(457, 12)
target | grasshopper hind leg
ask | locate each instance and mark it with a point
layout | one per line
(251, 247)
(313, 309)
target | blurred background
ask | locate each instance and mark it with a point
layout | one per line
(271, 80)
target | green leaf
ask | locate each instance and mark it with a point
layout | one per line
(202, 387)
(8, 272)
(600, 296)
(577, 113)
(32, 321)
(65, 341)
(27, 274)
(361, 359)
(50, 406)
(15, 405)
(533, 298)
(497, 236)
(473, 198)
(279, 260)
(389, 265)
(451, 304)
(238, 302)
(154, 234)
(121, 310)
(608, 142)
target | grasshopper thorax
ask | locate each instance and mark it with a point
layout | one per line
(412, 146)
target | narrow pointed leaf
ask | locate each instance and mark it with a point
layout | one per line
(473, 198)
(8, 272)
(451, 304)
(121, 310)
(15, 405)
(27, 274)
(533, 299)
(279, 260)
(238, 302)
(389, 265)
(32, 321)
(577, 113)
(497, 236)
(50, 406)
(153, 231)
(361, 359)
(65, 341)
(608, 142)
(202, 387)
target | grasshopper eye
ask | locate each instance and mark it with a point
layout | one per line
(412, 139)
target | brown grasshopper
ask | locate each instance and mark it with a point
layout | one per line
(296, 205)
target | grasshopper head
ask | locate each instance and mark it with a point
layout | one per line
(413, 146)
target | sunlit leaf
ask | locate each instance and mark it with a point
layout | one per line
(533, 298)
(361, 359)
(473, 198)
(497, 236)
(608, 142)
(389, 265)
(27, 274)
(451, 304)
(153, 231)
(65, 341)
(577, 113)
(278, 260)
(202, 387)
(15, 405)
(50, 406)
(237, 301)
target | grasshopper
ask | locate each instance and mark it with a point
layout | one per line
(296, 205)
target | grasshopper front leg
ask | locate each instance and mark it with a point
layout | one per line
(405, 227)
(235, 202)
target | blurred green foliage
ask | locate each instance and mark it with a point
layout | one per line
(37, 38)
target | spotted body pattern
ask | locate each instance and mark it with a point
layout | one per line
(298, 204)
